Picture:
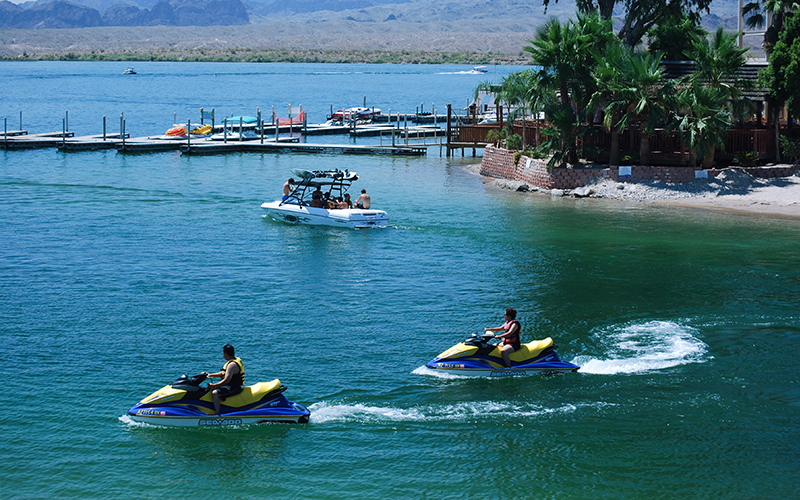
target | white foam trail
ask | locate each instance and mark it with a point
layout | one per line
(325, 412)
(645, 347)
(127, 420)
(424, 370)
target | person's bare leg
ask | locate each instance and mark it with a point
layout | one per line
(215, 397)
(506, 351)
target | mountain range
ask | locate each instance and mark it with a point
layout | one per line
(47, 14)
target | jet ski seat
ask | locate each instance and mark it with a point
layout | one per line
(254, 392)
(531, 349)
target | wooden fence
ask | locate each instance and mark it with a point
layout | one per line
(666, 149)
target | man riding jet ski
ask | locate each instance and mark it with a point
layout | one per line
(186, 403)
(480, 356)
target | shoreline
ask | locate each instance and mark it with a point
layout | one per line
(734, 190)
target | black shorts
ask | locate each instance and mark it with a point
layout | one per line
(227, 391)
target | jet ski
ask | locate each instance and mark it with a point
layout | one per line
(186, 403)
(478, 355)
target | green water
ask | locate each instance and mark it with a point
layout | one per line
(119, 273)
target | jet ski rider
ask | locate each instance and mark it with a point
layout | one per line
(232, 375)
(511, 335)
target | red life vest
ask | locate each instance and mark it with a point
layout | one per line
(514, 337)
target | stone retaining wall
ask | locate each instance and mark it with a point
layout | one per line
(498, 162)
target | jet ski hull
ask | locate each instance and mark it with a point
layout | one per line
(184, 403)
(297, 414)
(476, 358)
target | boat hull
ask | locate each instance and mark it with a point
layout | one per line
(353, 218)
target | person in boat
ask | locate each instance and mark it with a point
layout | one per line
(510, 337)
(287, 188)
(342, 204)
(232, 375)
(363, 200)
(330, 203)
(316, 199)
(348, 202)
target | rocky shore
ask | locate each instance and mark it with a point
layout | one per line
(732, 189)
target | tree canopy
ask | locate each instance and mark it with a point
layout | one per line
(640, 15)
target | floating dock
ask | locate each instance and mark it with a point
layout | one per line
(255, 146)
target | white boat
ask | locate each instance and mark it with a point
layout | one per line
(357, 113)
(297, 207)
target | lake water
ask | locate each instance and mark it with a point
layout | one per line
(120, 272)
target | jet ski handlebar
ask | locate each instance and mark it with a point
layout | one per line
(193, 381)
(478, 338)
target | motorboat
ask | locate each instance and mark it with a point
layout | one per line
(235, 135)
(478, 70)
(186, 403)
(357, 113)
(129, 71)
(479, 355)
(298, 207)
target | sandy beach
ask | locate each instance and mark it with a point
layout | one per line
(733, 189)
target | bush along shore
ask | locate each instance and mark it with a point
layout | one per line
(278, 55)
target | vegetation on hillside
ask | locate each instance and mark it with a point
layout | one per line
(279, 55)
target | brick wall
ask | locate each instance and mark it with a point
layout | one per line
(498, 162)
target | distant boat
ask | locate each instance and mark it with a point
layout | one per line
(478, 70)
(358, 113)
(129, 71)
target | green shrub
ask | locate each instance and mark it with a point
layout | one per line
(514, 142)
(746, 159)
(790, 148)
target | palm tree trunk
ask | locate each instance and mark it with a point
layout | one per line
(614, 157)
(708, 159)
(644, 150)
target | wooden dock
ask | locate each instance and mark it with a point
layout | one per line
(91, 142)
(35, 141)
(255, 146)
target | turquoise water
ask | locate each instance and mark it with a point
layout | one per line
(120, 272)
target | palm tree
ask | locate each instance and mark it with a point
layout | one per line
(564, 53)
(703, 120)
(555, 50)
(637, 96)
(608, 74)
(718, 61)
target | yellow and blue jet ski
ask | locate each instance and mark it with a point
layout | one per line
(479, 355)
(185, 402)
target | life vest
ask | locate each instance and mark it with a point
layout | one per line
(514, 337)
(238, 379)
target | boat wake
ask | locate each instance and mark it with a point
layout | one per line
(325, 412)
(644, 347)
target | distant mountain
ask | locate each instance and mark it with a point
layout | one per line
(48, 16)
(451, 14)
(164, 13)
